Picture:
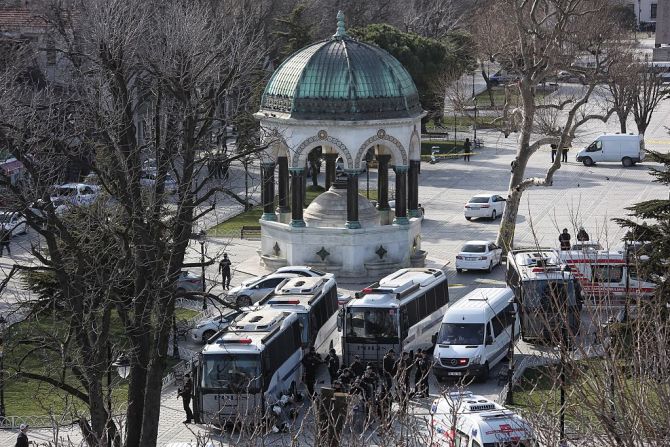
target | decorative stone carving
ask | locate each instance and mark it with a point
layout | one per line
(322, 135)
(323, 254)
(382, 137)
(381, 252)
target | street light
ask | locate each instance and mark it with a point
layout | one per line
(474, 99)
(3, 325)
(122, 365)
(509, 399)
(202, 234)
(175, 347)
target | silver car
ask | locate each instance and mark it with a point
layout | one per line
(206, 328)
(13, 222)
(188, 282)
(254, 289)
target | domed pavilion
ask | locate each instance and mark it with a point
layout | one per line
(346, 97)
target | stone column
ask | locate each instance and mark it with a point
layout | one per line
(297, 179)
(331, 173)
(413, 188)
(268, 190)
(400, 195)
(383, 188)
(352, 199)
(304, 187)
(283, 208)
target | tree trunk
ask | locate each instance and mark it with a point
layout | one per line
(489, 90)
(505, 238)
(622, 122)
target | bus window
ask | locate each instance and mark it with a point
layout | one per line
(232, 373)
(372, 323)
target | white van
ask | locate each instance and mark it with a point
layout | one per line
(468, 420)
(628, 149)
(475, 334)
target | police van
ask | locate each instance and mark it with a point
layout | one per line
(547, 293)
(476, 333)
(247, 368)
(467, 420)
(314, 300)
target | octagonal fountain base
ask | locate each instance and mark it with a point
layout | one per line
(368, 252)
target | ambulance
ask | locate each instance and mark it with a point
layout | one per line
(604, 276)
(466, 420)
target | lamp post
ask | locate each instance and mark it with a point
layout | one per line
(201, 239)
(509, 399)
(3, 324)
(175, 347)
(474, 99)
(122, 365)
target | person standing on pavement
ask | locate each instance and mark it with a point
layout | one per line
(554, 149)
(582, 235)
(466, 149)
(4, 241)
(185, 394)
(311, 363)
(357, 366)
(22, 438)
(333, 363)
(421, 374)
(564, 154)
(564, 239)
(224, 269)
(388, 367)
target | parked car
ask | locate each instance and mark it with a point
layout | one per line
(188, 282)
(206, 328)
(303, 270)
(148, 180)
(73, 194)
(478, 255)
(484, 205)
(502, 77)
(14, 222)
(254, 289)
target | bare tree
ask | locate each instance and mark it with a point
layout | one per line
(542, 37)
(649, 92)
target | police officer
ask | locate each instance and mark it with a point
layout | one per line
(311, 363)
(224, 269)
(388, 366)
(357, 366)
(185, 394)
(333, 363)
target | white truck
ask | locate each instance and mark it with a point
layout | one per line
(627, 149)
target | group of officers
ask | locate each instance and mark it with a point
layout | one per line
(377, 386)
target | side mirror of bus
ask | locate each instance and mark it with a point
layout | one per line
(340, 320)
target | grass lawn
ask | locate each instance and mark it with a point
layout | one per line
(30, 397)
(484, 101)
(185, 314)
(232, 226)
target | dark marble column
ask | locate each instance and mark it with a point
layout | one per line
(268, 191)
(352, 200)
(282, 164)
(383, 182)
(304, 187)
(400, 195)
(413, 188)
(331, 172)
(297, 182)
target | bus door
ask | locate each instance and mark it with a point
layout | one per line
(196, 373)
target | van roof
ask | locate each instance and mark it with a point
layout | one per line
(619, 135)
(479, 305)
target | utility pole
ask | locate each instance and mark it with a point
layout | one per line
(509, 399)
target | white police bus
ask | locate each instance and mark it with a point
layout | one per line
(248, 368)
(400, 312)
(314, 300)
(547, 294)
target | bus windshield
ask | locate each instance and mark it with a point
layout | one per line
(372, 323)
(461, 334)
(546, 294)
(232, 373)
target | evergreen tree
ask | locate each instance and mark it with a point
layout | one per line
(650, 222)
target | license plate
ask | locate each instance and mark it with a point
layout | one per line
(454, 373)
(470, 259)
(474, 207)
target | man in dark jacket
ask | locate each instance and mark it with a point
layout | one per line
(311, 363)
(357, 366)
(388, 365)
(22, 438)
(333, 364)
(185, 394)
(4, 241)
(224, 269)
(421, 374)
(564, 239)
(582, 235)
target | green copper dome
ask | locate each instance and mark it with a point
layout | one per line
(341, 79)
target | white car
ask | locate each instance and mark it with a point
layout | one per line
(303, 270)
(206, 328)
(256, 288)
(484, 205)
(13, 222)
(73, 194)
(478, 255)
(148, 180)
